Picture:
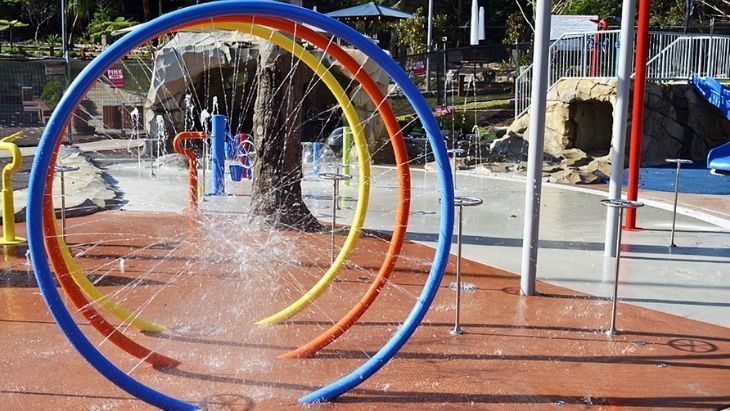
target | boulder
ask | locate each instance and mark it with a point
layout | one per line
(579, 116)
(599, 167)
(574, 157)
(88, 189)
(568, 124)
(566, 176)
(511, 146)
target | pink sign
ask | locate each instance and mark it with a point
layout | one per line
(418, 68)
(116, 77)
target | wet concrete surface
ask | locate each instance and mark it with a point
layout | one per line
(209, 278)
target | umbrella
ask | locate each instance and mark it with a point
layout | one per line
(369, 12)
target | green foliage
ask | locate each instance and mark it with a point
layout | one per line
(667, 14)
(103, 24)
(601, 8)
(517, 29)
(53, 38)
(412, 32)
(52, 92)
(9, 25)
(37, 12)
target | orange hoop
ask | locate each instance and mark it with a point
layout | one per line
(404, 179)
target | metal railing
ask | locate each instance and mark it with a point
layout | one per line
(592, 54)
(691, 55)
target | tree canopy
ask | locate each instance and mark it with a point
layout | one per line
(507, 20)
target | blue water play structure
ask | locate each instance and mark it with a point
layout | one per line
(718, 159)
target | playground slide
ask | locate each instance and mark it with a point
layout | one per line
(718, 159)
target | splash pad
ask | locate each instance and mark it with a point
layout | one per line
(42, 251)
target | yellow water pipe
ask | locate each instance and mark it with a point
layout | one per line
(8, 207)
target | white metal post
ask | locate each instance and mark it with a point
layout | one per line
(620, 116)
(535, 153)
(429, 49)
(474, 26)
(66, 60)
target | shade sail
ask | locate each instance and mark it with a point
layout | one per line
(369, 12)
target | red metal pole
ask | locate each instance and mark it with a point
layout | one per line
(637, 113)
(594, 52)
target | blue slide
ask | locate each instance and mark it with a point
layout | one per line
(718, 159)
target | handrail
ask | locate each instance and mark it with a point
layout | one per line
(701, 55)
(569, 57)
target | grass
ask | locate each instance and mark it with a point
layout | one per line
(402, 107)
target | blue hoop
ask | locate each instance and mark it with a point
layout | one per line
(53, 133)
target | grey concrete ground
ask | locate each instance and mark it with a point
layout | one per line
(691, 280)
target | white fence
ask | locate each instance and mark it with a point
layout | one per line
(596, 55)
(691, 55)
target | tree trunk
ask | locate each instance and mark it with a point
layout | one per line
(146, 10)
(459, 12)
(277, 193)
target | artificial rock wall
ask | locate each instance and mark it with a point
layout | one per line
(579, 121)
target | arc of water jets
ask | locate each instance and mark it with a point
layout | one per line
(362, 150)
(64, 264)
(167, 23)
(78, 289)
(401, 157)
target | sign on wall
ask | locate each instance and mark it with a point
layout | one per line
(54, 68)
(116, 77)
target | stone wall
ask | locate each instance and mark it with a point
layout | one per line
(678, 122)
(215, 53)
(579, 118)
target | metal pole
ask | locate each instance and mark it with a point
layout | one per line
(62, 169)
(446, 72)
(438, 78)
(64, 41)
(335, 177)
(535, 153)
(335, 189)
(457, 325)
(618, 140)
(621, 205)
(66, 60)
(63, 204)
(584, 56)
(429, 34)
(637, 117)
(679, 162)
(453, 145)
(460, 202)
(674, 210)
(612, 330)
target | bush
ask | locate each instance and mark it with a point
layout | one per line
(52, 92)
(103, 24)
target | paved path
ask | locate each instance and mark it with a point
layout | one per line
(690, 280)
